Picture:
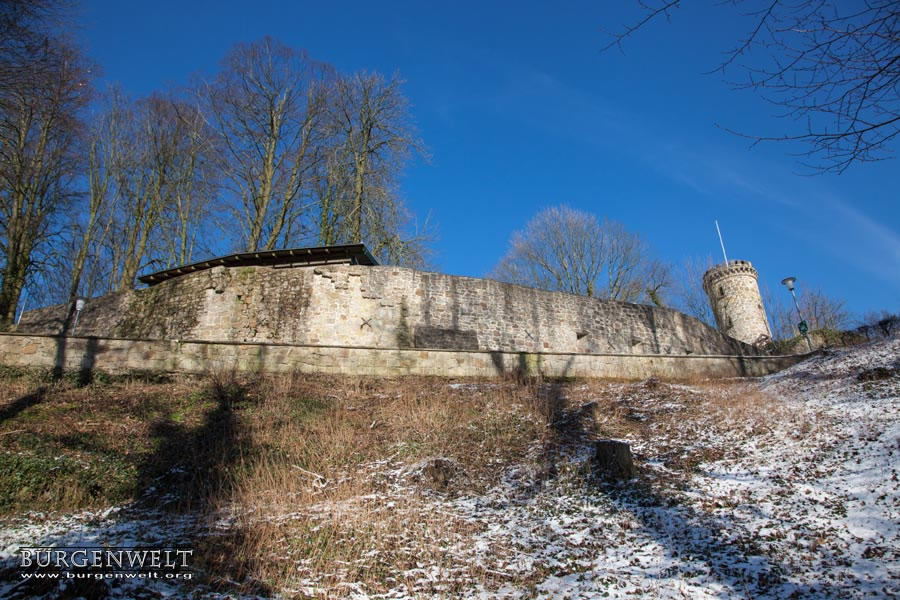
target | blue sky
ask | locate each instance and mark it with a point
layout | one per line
(520, 110)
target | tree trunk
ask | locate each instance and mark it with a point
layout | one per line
(13, 283)
(356, 233)
(10, 291)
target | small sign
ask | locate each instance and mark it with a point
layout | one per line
(803, 327)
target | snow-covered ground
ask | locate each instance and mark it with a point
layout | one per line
(808, 509)
(796, 497)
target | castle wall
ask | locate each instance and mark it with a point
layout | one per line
(383, 307)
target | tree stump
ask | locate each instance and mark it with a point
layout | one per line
(612, 460)
(437, 473)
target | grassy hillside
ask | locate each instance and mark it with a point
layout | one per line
(253, 447)
(314, 486)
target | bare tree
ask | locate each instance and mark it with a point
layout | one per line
(690, 297)
(39, 159)
(91, 225)
(879, 324)
(820, 311)
(333, 184)
(632, 272)
(266, 105)
(824, 312)
(567, 250)
(194, 187)
(144, 175)
(833, 67)
(149, 183)
(560, 249)
(372, 138)
(889, 325)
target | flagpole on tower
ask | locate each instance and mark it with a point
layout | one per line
(721, 242)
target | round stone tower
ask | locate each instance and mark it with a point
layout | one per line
(735, 300)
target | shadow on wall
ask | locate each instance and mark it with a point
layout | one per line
(86, 365)
(59, 359)
(261, 360)
(649, 317)
(436, 335)
(743, 366)
(88, 355)
(404, 339)
(528, 366)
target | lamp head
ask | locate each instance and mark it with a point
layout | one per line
(789, 282)
(79, 304)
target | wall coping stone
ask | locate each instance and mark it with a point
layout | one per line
(801, 356)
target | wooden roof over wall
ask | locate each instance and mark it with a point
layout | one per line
(354, 254)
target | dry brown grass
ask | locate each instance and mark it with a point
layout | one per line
(314, 470)
(307, 430)
(333, 474)
(332, 451)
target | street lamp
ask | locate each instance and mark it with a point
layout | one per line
(802, 326)
(79, 306)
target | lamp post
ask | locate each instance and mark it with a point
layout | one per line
(79, 306)
(802, 326)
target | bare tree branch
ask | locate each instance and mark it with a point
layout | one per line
(266, 107)
(651, 13)
(371, 138)
(832, 67)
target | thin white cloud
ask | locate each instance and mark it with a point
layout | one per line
(834, 225)
(875, 246)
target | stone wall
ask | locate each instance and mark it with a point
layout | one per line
(383, 307)
(117, 355)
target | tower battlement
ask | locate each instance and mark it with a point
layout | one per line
(733, 267)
